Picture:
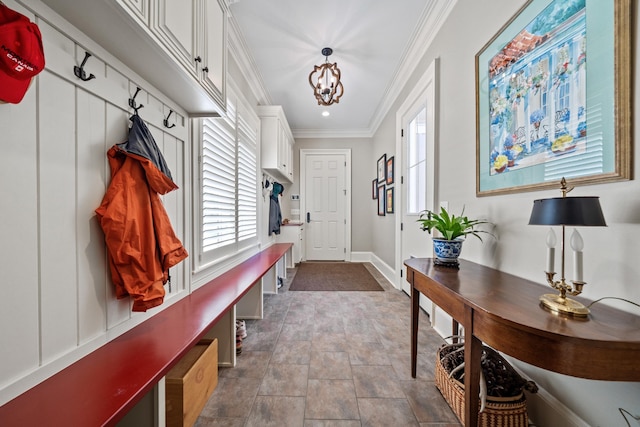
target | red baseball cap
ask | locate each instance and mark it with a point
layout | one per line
(21, 54)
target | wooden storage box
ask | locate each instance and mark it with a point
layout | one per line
(190, 383)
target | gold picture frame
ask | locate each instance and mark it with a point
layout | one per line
(543, 110)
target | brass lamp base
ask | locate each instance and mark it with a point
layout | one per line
(556, 304)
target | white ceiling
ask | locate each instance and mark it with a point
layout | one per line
(375, 44)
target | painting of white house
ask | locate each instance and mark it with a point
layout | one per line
(537, 91)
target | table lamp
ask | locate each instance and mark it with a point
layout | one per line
(566, 211)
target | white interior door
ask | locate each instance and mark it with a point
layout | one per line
(325, 202)
(416, 152)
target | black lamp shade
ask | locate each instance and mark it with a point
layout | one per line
(574, 211)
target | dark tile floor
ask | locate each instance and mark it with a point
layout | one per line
(331, 359)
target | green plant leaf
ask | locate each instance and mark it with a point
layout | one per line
(449, 225)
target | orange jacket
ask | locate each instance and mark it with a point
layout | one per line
(141, 243)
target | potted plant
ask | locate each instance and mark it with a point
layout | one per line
(453, 230)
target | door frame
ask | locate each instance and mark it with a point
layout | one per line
(427, 89)
(304, 152)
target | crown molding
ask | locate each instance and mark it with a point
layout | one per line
(237, 48)
(429, 25)
(334, 133)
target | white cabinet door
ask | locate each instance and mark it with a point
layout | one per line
(138, 8)
(289, 154)
(213, 40)
(174, 22)
(292, 234)
(283, 162)
(277, 143)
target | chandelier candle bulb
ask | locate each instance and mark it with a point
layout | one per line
(577, 245)
(551, 250)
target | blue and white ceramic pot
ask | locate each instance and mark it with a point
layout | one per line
(447, 251)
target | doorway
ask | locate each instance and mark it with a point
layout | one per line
(416, 121)
(325, 204)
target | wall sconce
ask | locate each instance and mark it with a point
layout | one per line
(571, 211)
(325, 81)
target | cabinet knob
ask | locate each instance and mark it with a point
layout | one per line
(198, 59)
(205, 70)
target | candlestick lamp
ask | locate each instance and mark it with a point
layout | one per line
(566, 211)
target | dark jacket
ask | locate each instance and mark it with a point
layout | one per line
(275, 213)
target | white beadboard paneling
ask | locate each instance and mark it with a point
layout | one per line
(153, 113)
(58, 302)
(57, 169)
(59, 51)
(91, 170)
(117, 86)
(117, 121)
(167, 147)
(19, 347)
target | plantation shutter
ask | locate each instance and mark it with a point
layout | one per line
(218, 183)
(229, 183)
(247, 180)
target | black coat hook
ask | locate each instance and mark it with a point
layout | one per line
(79, 71)
(132, 102)
(166, 121)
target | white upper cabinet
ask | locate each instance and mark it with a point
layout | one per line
(276, 143)
(179, 46)
(139, 8)
(194, 32)
(175, 24)
(213, 48)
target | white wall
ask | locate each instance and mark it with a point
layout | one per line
(610, 254)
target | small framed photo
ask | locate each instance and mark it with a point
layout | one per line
(374, 189)
(381, 200)
(390, 166)
(389, 201)
(382, 169)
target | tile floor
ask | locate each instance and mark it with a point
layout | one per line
(331, 359)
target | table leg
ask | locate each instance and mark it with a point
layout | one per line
(415, 305)
(472, 354)
(455, 330)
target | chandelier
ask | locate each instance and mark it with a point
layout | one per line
(325, 81)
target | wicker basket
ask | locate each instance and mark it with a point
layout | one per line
(498, 412)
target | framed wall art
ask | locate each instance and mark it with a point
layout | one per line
(382, 169)
(390, 171)
(553, 97)
(390, 200)
(374, 189)
(381, 200)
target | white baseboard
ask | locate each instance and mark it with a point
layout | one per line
(544, 409)
(361, 256)
(380, 265)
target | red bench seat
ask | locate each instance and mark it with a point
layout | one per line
(103, 386)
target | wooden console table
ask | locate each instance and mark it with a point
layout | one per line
(503, 311)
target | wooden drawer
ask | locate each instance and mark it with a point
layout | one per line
(190, 383)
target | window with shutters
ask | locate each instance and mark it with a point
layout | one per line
(229, 183)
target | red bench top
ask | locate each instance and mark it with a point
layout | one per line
(103, 386)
